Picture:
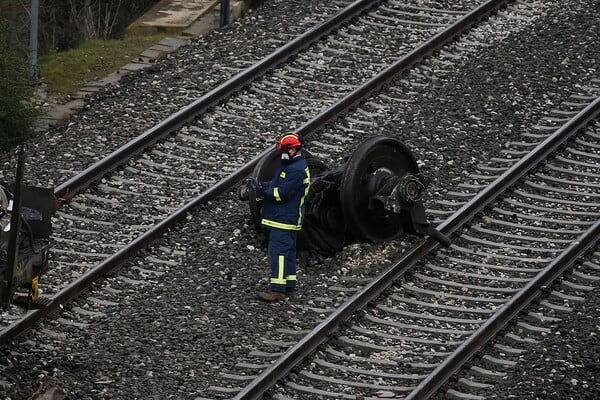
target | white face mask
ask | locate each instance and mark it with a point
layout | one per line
(285, 156)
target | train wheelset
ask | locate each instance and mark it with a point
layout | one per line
(376, 196)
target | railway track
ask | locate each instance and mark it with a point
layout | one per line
(496, 363)
(95, 234)
(230, 120)
(410, 341)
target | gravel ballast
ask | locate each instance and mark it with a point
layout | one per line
(172, 335)
(566, 364)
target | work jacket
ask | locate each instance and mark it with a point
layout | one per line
(283, 206)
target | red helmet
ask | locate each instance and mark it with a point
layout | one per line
(288, 141)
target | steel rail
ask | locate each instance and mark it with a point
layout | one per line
(317, 336)
(309, 343)
(520, 168)
(446, 35)
(102, 167)
(125, 253)
(544, 278)
(434, 381)
(68, 189)
(361, 299)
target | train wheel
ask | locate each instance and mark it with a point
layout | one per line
(368, 220)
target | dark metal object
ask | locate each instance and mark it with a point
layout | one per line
(15, 227)
(375, 197)
(371, 173)
(224, 14)
(24, 239)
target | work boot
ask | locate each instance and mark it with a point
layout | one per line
(272, 296)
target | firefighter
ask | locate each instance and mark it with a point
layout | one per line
(283, 214)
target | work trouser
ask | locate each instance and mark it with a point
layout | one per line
(282, 254)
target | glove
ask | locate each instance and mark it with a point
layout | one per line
(254, 184)
(243, 193)
(250, 184)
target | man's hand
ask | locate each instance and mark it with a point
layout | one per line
(250, 184)
(253, 183)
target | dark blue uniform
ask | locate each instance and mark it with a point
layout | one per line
(283, 214)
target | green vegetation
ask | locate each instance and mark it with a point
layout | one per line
(82, 27)
(66, 72)
(16, 115)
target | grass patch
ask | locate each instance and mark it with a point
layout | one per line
(66, 72)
